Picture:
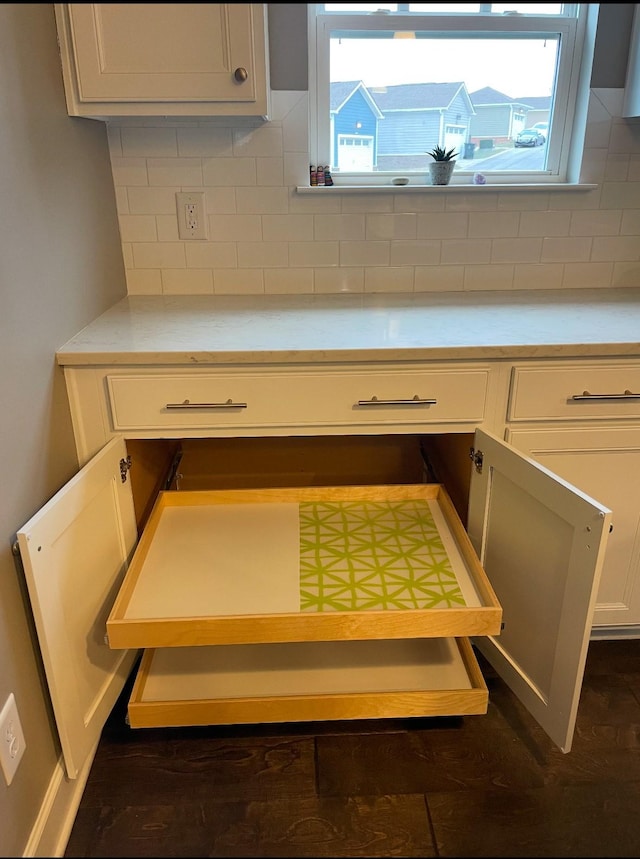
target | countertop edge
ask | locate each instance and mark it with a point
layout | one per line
(425, 353)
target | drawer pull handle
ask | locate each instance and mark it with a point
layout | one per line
(627, 395)
(186, 404)
(414, 401)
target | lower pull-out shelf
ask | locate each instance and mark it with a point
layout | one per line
(307, 681)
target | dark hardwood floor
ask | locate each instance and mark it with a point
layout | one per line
(491, 785)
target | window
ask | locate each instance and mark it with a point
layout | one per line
(406, 77)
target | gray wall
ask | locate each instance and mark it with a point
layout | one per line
(60, 266)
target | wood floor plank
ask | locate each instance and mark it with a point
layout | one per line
(580, 820)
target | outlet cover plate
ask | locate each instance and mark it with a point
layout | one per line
(12, 744)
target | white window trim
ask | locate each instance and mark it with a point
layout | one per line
(566, 141)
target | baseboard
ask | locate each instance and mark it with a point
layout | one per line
(57, 813)
(613, 633)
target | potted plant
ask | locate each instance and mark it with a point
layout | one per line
(442, 166)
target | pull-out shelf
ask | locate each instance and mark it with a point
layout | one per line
(307, 681)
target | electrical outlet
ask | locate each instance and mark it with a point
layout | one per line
(12, 744)
(192, 220)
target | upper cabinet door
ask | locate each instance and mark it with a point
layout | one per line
(75, 551)
(164, 59)
(541, 542)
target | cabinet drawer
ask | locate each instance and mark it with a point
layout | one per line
(253, 566)
(307, 682)
(558, 392)
(297, 398)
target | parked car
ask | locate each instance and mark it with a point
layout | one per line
(529, 137)
(542, 127)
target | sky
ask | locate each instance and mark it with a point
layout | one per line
(515, 68)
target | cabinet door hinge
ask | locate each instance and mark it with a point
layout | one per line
(477, 457)
(125, 465)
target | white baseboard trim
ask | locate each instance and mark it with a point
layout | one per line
(57, 813)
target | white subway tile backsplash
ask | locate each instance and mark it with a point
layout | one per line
(149, 142)
(388, 279)
(626, 274)
(338, 279)
(167, 228)
(158, 255)
(465, 251)
(314, 254)
(538, 275)
(129, 171)
(600, 223)
(499, 225)
(447, 225)
(338, 227)
(142, 281)
(262, 201)
(265, 237)
(439, 278)
(212, 255)
(220, 201)
(420, 252)
(566, 249)
(152, 201)
(620, 195)
(263, 254)
(287, 228)
(238, 281)
(174, 171)
(488, 277)
(586, 275)
(258, 142)
(392, 226)
(235, 172)
(138, 228)
(285, 281)
(187, 282)
(235, 228)
(516, 250)
(615, 248)
(270, 171)
(533, 224)
(205, 142)
(365, 253)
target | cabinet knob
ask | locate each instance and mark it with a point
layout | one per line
(241, 74)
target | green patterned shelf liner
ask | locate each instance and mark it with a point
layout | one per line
(373, 555)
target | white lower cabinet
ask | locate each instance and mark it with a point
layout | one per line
(582, 421)
(241, 591)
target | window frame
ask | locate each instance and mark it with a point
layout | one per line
(568, 120)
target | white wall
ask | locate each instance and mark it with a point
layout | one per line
(60, 266)
(266, 238)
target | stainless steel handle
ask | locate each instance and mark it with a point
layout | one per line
(585, 395)
(414, 401)
(186, 404)
(241, 74)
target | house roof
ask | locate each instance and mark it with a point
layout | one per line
(423, 96)
(488, 96)
(539, 102)
(341, 91)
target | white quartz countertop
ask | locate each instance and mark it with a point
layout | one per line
(198, 329)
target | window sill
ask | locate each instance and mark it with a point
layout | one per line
(430, 189)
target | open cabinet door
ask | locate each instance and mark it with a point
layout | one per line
(75, 551)
(542, 543)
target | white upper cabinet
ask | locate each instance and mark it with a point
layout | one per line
(168, 59)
